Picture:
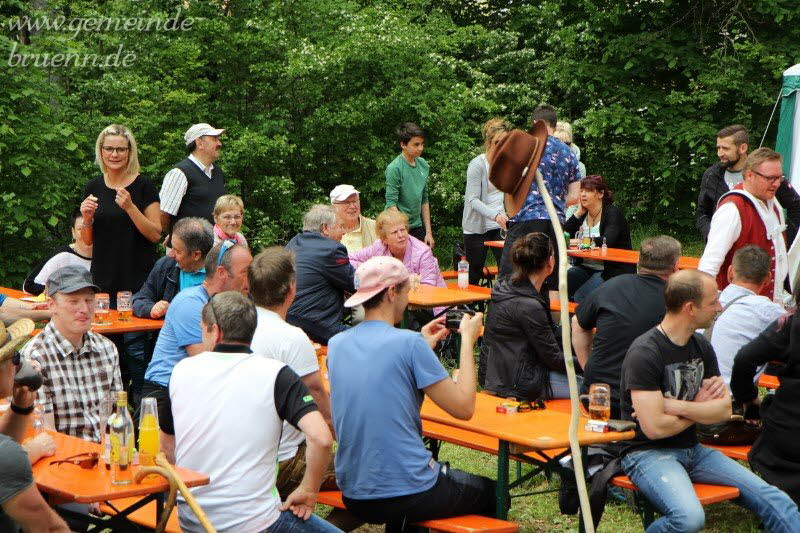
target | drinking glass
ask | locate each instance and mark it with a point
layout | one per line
(415, 281)
(124, 309)
(599, 402)
(101, 309)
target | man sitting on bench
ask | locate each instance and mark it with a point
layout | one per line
(378, 374)
(670, 382)
(228, 406)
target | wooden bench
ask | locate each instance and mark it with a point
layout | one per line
(489, 273)
(734, 452)
(769, 381)
(706, 494)
(144, 516)
(470, 523)
(555, 305)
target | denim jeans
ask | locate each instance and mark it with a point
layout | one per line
(582, 281)
(289, 523)
(560, 385)
(665, 477)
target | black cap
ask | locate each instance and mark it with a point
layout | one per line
(70, 278)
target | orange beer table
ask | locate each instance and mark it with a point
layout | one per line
(67, 483)
(612, 254)
(428, 296)
(117, 326)
(518, 434)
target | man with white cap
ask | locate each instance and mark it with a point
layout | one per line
(378, 374)
(192, 187)
(359, 230)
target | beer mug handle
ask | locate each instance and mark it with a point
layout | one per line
(584, 412)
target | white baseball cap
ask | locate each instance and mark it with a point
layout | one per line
(200, 130)
(340, 193)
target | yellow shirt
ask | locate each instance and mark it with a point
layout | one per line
(361, 237)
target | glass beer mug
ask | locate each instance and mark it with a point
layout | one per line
(599, 402)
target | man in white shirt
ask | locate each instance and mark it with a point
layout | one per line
(229, 406)
(193, 186)
(749, 214)
(359, 231)
(745, 313)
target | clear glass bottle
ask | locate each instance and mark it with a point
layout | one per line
(149, 442)
(111, 411)
(121, 437)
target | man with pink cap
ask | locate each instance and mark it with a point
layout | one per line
(379, 376)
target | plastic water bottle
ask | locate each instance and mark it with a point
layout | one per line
(604, 248)
(463, 273)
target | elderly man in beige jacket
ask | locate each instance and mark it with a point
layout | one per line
(359, 230)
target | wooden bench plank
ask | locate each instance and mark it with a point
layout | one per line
(555, 305)
(455, 524)
(734, 452)
(144, 516)
(489, 272)
(769, 381)
(707, 494)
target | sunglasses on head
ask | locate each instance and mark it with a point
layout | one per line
(227, 244)
(87, 461)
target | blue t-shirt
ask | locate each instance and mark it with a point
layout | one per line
(377, 373)
(181, 328)
(559, 168)
(2, 298)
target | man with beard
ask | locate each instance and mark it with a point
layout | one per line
(719, 178)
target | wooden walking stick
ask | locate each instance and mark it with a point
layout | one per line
(566, 341)
(161, 461)
(173, 492)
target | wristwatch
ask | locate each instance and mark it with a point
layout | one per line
(22, 410)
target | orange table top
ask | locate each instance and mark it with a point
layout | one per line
(117, 326)
(612, 254)
(538, 430)
(427, 296)
(71, 483)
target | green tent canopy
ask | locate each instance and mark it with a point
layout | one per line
(788, 142)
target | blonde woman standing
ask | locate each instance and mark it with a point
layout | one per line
(484, 214)
(120, 214)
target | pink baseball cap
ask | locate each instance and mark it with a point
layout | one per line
(374, 275)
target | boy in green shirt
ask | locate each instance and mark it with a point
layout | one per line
(406, 183)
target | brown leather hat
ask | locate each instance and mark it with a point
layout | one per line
(514, 161)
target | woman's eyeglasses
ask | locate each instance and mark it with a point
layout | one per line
(87, 461)
(122, 150)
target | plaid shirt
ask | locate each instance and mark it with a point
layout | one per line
(75, 380)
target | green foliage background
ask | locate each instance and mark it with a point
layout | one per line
(310, 92)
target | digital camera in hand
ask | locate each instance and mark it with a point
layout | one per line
(454, 316)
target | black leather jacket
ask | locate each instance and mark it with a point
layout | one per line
(519, 345)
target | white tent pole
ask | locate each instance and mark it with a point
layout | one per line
(777, 100)
(575, 449)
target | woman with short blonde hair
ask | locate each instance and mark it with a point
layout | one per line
(394, 240)
(228, 219)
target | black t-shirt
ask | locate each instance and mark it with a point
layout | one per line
(621, 309)
(121, 257)
(654, 363)
(15, 476)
